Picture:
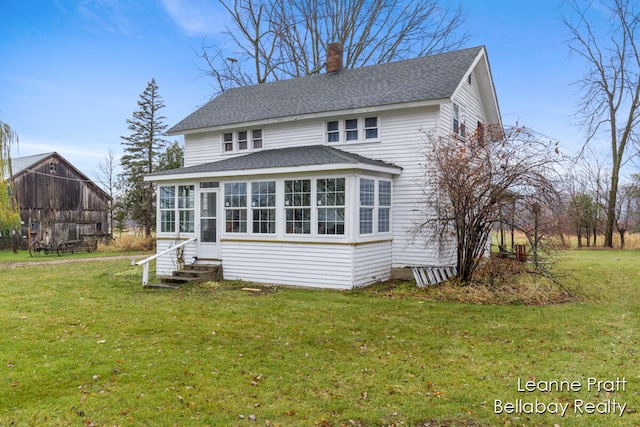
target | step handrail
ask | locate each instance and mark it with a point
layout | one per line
(145, 262)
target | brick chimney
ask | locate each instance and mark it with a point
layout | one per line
(334, 57)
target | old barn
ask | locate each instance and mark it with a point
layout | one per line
(57, 201)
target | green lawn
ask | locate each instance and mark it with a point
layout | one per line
(83, 343)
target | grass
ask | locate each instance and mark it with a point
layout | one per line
(84, 344)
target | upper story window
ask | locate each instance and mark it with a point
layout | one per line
(244, 140)
(458, 120)
(361, 129)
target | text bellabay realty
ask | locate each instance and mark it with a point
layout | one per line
(593, 385)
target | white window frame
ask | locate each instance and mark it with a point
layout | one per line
(242, 141)
(373, 206)
(345, 130)
(458, 122)
(183, 210)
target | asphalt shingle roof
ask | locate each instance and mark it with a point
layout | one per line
(425, 78)
(279, 158)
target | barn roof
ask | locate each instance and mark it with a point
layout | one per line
(425, 78)
(20, 165)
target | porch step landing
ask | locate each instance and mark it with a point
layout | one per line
(191, 274)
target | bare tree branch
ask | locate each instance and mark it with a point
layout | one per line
(277, 39)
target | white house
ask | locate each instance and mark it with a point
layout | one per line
(315, 181)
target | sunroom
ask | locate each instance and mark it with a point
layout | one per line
(309, 216)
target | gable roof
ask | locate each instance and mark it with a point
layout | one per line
(25, 164)
(320, 156)
(20, 164)
(419, 79)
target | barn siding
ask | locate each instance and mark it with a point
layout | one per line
(58, 203)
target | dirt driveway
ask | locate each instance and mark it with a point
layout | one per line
(67, 260)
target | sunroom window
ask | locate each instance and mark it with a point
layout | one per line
(167, 201)
(186, 208)
(297, 206)
(384, 206)
(235, 206)
(263, 207)
(330, 198)
(177, 205)
(367, 203)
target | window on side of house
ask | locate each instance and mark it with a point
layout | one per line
(384, 206)
(177, 208)
(235, 206)
(263, 207)
(367, 203)
(297, 206)
(371, 128)
(167, 202)
(186, 208)
(256, 139)
(330, 198)
(242, 140)
(333, 131)
(459, 127)
(227, 139)
(351, 130)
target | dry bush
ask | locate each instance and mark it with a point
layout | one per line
(130, 243)
(504, 281)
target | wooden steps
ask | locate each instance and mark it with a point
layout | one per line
(190, 274)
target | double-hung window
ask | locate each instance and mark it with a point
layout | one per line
(186, 208)
(367, 204)
(243, 140)
(167, 209)
(458, 120)
(375, 206)
(183, 211)
(384, 206)
(360, 129)
(235, 206)
(330, 198)
(263, 207)
(297, 206)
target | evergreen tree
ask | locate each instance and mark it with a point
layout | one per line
(172, 158)
(142, 149)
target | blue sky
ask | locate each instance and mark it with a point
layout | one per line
(72, 71)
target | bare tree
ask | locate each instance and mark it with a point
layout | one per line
(107, 176)
(469, 182)
(276, 39)
(610, 103)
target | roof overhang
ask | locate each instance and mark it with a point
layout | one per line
(290, 170)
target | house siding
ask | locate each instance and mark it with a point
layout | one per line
(371, 263)
(296, 264)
